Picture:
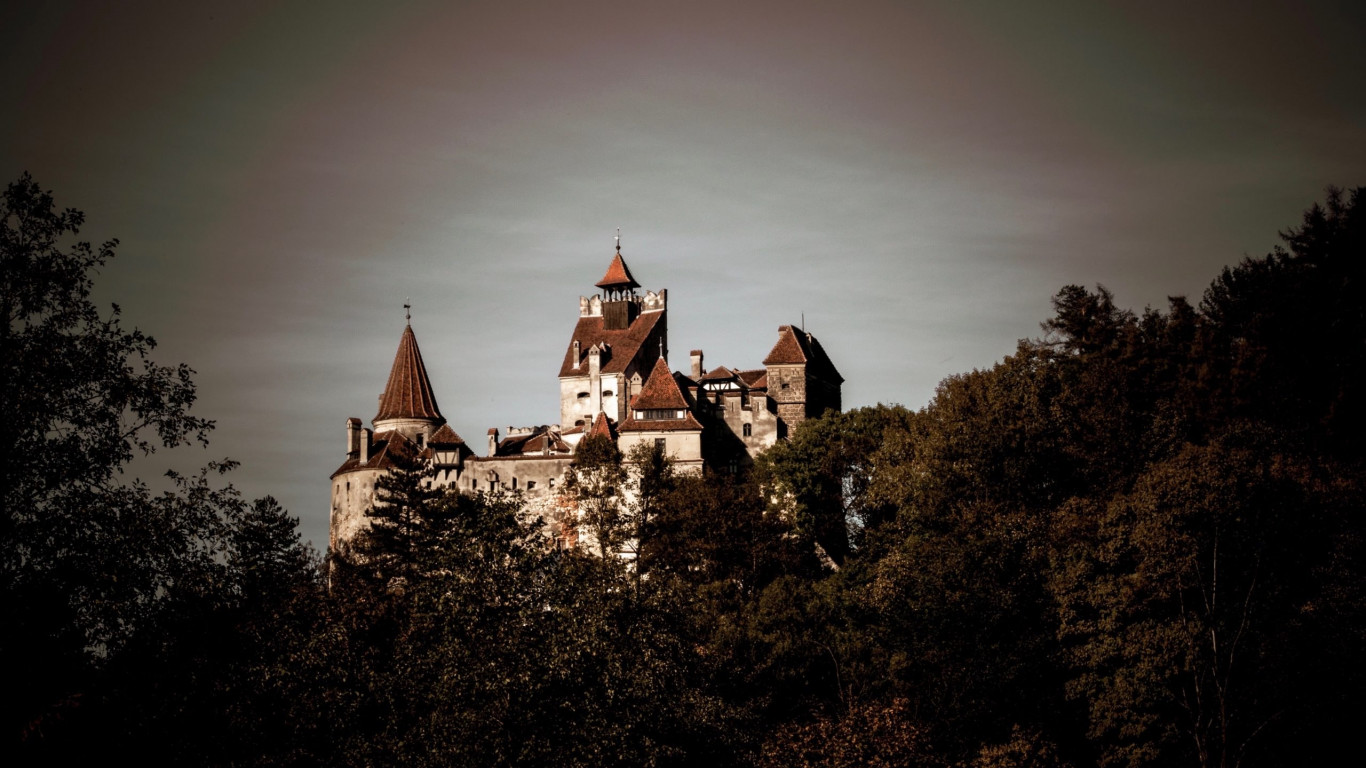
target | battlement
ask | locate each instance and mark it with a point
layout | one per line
(592, 306)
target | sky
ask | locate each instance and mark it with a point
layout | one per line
(913, 181)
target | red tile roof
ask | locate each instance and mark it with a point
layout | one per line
(660, 390)
(602, 427)
(385, 448)
(795, 347)
(719, 373)
(618, 275)
(622, 345)
(408, 395)
(755, 379)
(788, 350)
(445, 436)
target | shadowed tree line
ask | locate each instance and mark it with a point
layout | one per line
(1135, 541)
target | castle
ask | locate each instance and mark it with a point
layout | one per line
(615, 381)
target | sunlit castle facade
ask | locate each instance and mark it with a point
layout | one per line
(614, 381)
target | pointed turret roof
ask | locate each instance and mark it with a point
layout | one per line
(796, 347)
(408, 395)
(618, 275)
(602, 427)
(660, 391)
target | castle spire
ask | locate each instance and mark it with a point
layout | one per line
(618, 277)
(408, 395)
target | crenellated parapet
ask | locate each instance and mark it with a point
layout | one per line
(652, 301)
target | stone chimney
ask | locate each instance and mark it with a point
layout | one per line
(594, 360)
(365, 436)
(577, 356)
(493, 441)
(352, 436)
(697, 369)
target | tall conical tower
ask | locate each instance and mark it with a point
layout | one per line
(407, 426)
(408, 405)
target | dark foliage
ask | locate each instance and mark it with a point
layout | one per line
(1136, 541)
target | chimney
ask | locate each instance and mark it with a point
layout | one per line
(594, 360)
(697, 371)
(577, 357)
(493, 439)
(365, 445)
(352, 436)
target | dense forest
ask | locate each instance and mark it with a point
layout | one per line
(1135, 541)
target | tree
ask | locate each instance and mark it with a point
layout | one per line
(596, 480)
(1196, 608)
(405, 520)
(97, 573)
(822, 475)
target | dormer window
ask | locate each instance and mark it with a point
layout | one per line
(659, 414)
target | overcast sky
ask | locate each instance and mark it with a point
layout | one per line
(915, 179)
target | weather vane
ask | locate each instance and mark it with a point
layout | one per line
(618, 239)
(407, 310)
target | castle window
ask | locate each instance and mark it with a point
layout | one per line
(583, 395)
(748, 430)
(530, 485)
(552, 482)
(659, 414)
(659, 443)
(514, 483)
(607, 393)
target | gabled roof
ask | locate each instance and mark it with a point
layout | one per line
(719, 373)
(795, 347)
(385, 448)
(445, 436)
(535, 443)
(408, 395)
(622, 345)
(602, 427)
(661, 390)
(618, 275)
(755, 379)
